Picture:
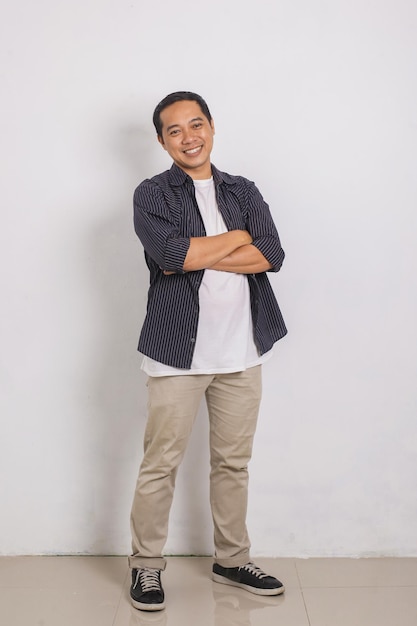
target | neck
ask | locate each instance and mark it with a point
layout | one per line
(199, 174)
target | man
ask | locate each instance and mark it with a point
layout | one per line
(211, 322)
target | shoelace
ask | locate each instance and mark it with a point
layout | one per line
(148, 579)
(254, 569)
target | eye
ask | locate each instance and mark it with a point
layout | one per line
(197, 125)
(174, 132)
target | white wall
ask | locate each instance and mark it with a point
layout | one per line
(316, 101)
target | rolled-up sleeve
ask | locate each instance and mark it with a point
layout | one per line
(262, 228)
(156, 229)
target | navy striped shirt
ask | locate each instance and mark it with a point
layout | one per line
(166, 216)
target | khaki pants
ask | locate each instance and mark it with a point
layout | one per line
(233, 404)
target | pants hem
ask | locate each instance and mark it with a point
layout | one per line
(236, 561)
(137, 562)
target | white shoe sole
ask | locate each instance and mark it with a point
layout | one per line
(259, 592)
(142, 606)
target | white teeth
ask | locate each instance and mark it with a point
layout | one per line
(193, 151)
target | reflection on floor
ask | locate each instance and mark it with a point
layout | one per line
(94, 591)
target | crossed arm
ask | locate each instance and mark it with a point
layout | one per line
(229, 252)
(244, 260)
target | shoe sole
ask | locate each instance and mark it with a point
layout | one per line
(257, 591)
(142, 606)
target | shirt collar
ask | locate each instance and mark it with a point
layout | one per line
(178, 177)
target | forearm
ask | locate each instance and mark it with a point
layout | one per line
(205, 252)
(245, 260)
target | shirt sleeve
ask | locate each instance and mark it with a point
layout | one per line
(156, 228)
(262, 228)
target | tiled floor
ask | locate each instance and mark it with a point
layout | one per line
(94, 591)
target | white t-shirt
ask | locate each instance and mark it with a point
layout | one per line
(224, 341)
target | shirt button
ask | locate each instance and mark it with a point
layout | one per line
(192, 339)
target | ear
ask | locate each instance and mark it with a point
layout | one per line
(212, 126)
(161, 141)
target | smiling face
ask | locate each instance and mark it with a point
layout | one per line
(187, 136)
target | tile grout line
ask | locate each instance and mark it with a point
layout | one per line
(302, 592)
(120, 597)
(359, 587)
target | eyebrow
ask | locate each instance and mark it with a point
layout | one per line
(195, 119)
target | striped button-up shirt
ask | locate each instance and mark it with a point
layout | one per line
(166, 216)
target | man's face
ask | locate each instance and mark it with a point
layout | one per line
(187, 136)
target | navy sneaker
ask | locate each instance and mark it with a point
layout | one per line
(249, 577)
(146, 591)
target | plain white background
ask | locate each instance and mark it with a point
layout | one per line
(316, 101)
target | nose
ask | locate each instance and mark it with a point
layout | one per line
(187, 136)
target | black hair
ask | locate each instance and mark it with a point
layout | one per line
(178, 96)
